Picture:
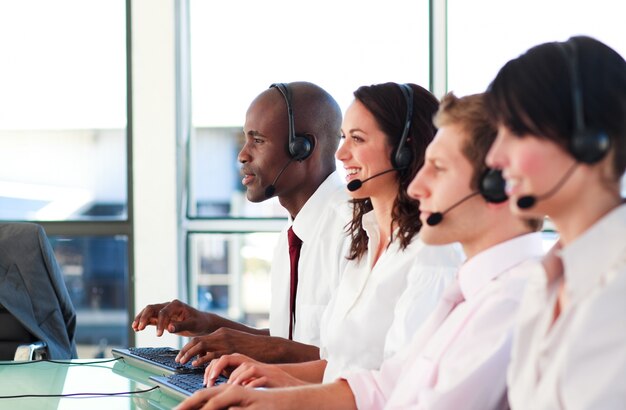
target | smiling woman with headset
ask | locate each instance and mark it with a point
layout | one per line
(386, 131)
(561, 110)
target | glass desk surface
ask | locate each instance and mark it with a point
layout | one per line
(46, 378)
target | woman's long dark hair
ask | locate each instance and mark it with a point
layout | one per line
(387, 104)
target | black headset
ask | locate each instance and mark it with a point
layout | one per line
(492, 186)
(300, 146)
(402, 157)
(587, 145)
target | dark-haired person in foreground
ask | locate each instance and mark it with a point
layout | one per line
(303, 177)
(458, 358)
(562, 150)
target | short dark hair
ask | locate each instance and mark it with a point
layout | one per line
(387, 104)
(532, 94)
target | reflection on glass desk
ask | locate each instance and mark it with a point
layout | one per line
(45, 378)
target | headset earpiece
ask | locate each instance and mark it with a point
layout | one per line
(587, 145)
(402, 157)
(492, 186)
(300, 147)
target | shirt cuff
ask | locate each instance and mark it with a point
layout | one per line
(367, 394)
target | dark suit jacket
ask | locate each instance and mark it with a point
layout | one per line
(33, 290)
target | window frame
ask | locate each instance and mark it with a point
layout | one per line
(115, 227)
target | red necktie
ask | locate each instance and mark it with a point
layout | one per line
(295, 244)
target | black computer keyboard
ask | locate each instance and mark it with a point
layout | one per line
(165, 356)
(192, 382)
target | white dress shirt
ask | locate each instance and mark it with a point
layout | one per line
(579, 360)
(424, 286)
(359, 315)
(458, 358)
(320, 225)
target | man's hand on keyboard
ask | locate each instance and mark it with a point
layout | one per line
(175, 317)
(223, 341)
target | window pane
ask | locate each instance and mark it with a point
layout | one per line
(96, 275)
(485, 34)
(63, 109)
(337, 45)
(230, 274)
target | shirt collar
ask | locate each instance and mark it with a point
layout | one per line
(487, 265)
(305, 223)
(596, 250)
(370, 226)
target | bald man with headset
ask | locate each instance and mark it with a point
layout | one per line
(291, 134)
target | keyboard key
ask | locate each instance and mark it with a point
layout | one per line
(166, 356)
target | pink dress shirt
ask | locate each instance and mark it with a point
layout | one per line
(458, 358)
